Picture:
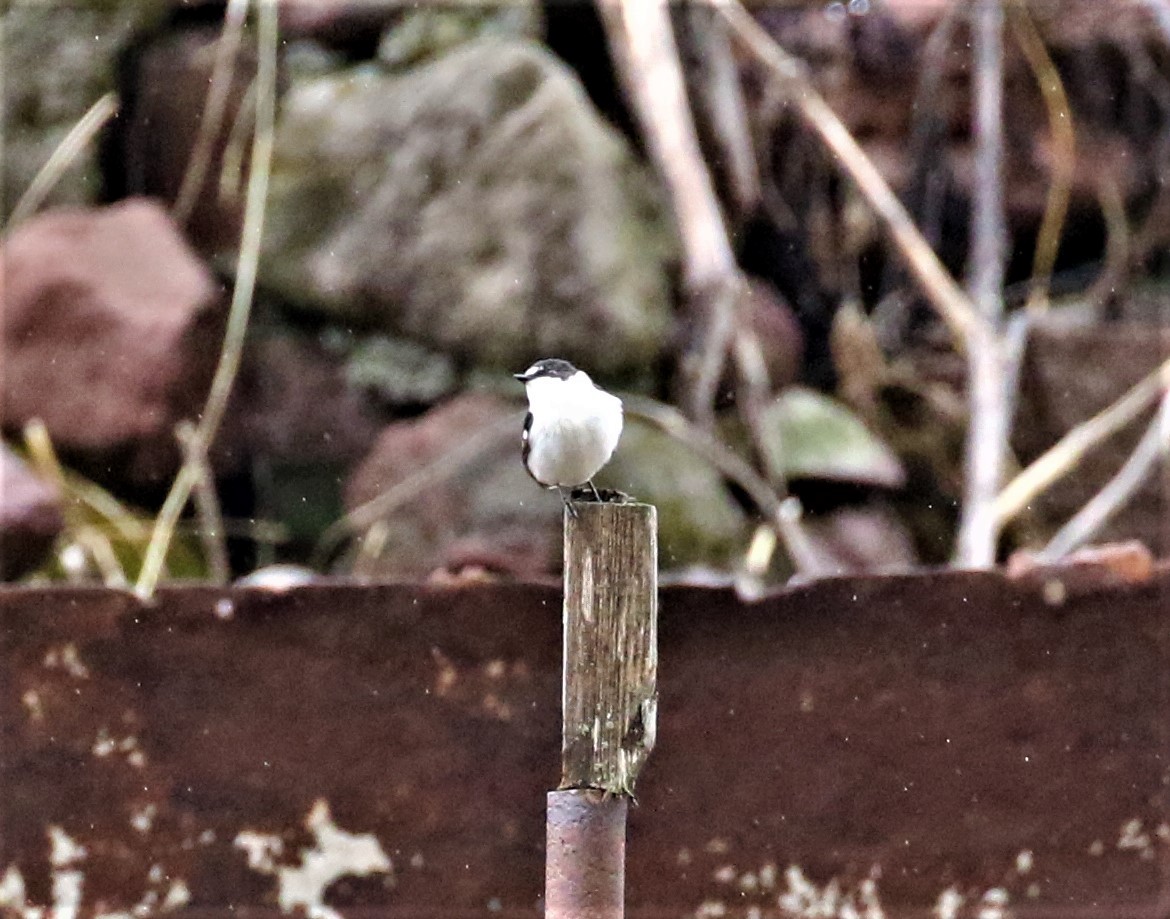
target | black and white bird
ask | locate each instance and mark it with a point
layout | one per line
(572, 426)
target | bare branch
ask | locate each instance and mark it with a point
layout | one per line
(712, 76)
(988, 424)
(936, 282)
(642, 39)
(241, 305)
(782, 514)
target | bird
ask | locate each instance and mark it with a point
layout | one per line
(571, 429)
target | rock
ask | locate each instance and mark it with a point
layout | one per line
(430, 31)
(111, 330)
(30, 517)
(296, 429)
(484, 512)
(166, 86)
(353, 26)
(808, 435)
(476, 204)
(294, 403)
(859, 540)
(59, 59)
(398, 373)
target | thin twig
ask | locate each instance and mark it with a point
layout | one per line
(231, 172)
(713, 78)
(211, 529)
(642, 39)
(1064, 456)
(1117, 492)
(222, 75)
(55, 166)
(753, 391)
(940, 288)
(242, 294)
(1109, 284)
(988, 425)
(1064, 151)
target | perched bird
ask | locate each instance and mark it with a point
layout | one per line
(571, 429)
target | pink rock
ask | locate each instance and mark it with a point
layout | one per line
(483, 513)
(30, 517)
(111, 330)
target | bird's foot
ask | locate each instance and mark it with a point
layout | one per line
(568, 501)
(590, 493)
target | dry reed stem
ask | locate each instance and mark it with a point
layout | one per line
(988, 424)
(222, 74)
(1117, 492)
(242, 295)
(1064, 151)
(62, 157)
(1064, 456)
(642, 38)
(783, 515)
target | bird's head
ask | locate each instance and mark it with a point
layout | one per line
(550, 368)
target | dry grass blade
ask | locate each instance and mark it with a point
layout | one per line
(79, 136)
(211, 528)
(1064, 151)
(1118, 491)
(1063, 457)
(242, 294)
(222, 73)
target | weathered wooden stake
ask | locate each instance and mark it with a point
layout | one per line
(609, 703)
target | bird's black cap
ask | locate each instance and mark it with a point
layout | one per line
(549, 367)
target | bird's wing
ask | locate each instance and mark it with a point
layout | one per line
(526, 445)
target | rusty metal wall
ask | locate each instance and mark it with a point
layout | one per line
(918, 744)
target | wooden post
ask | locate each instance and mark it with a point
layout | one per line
(610, 677)
(609, 703)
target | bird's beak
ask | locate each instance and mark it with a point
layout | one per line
(522, 377)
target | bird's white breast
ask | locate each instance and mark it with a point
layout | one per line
(575, 429)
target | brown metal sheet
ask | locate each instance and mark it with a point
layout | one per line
(853, 745)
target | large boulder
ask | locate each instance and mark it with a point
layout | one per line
(111, 329)
(476, 203)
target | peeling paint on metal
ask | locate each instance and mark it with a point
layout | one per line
(335, 855)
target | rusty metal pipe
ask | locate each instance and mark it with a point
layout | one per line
(585, 859)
